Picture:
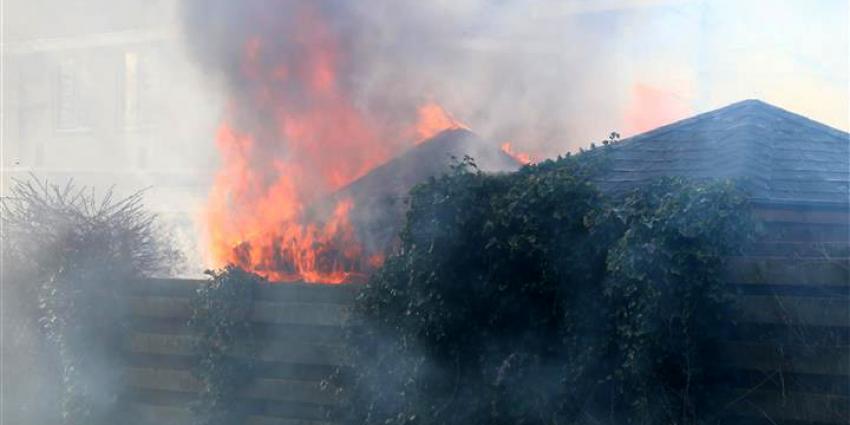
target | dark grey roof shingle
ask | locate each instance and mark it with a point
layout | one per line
(781, 156)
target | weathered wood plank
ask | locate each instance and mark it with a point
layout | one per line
(264, 311)
(288, 292)
(305, 333)
(784, 271)
(815, 360)
(262, 388)
(272, 370)
(800, 249)
(150, 414)
(777, 407)
(802, 232)
(301, 313)
(253, 406)
(799, 311)
(807, 216)
(273, 351)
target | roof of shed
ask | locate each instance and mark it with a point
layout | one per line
(779, 155)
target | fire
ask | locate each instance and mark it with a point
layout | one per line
(434, 119)
(294, 135)
(521, 157)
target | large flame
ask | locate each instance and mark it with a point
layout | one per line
(292, 137)
(521, 157)
(432, 119)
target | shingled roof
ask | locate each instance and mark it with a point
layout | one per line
(379, 196)
(780, 156)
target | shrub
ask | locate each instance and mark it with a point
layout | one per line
(70, 254)
(226, 345)
(530, 298)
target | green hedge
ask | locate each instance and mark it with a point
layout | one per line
(531, 298)
(226, 344)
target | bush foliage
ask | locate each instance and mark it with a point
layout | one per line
(226, 344)
(531, 298)
(69, 253)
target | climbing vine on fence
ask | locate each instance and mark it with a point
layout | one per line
(225, 343)
(532, 298)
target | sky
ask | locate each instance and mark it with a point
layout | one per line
(665, 60)
(705, 54)
(556, 75)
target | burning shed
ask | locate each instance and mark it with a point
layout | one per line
(379, 196)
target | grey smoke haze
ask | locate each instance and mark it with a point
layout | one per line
(503, 68)
(549, 76)
(105, 94)
(554, 75)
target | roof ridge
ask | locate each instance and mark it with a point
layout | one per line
(780, 154)
(746, 104)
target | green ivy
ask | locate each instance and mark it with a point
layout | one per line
(666, 295)
(531, 298)
(225, 344)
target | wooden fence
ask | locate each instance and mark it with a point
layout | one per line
(786, 362)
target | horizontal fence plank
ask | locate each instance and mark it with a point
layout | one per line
(807, 216)
(290, 292)
(809, 359)
(304, 333)
(151, 414)
(301, 313)
(264, 311)
(272, 350)
(780, 335)
(783, 271)
(159, 307)
(777, 408)
(790, 310)
(780, 382)
(260, 407)
(261, 388)
(803, 232)
(147, 414)
(806, 250)
(837, 292)
(272, 370)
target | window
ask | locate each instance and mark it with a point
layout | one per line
(131, 90)
(139, 90)
(74, 90)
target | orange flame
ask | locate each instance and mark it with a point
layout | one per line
(434, 119)
(521, 157)
(293, 137)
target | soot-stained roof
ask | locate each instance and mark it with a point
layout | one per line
(379, 196)
(779, 155)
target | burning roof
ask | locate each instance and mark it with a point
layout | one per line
(379, 196)
(340, 237)
(781, 156)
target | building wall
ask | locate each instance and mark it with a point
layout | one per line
(105, 93)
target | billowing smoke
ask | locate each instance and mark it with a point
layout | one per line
(506, 69)
(323, 92)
